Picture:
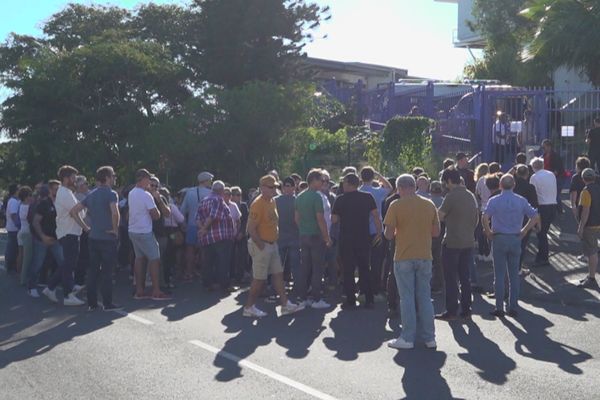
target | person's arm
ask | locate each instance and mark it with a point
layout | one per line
(14, 215)
(378, 226)
(37, 227)
(485, 221)
(533, 221)
(335, 218)
(74, 213)
(390, 223)
(115, 216)
(323, 228)
(436, 229)
(573, 197)
(154, 214)
(164, 208)
(253, 231)
(383, 180)
(177, 215)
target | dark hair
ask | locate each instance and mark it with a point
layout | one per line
(24, 192)
(583, 163)
(367, 174)
(546, 142)
(289, 181)
(448, 162)
(522, 171)
(141, 174)
(66, 171)
(352, 180)
(296, 177)
(451, 175)
(12, 189)
(521, 158)
(314, 175)
(492, 182)
(103, 173)
(494, 168)
(417, 171)
(303, 185)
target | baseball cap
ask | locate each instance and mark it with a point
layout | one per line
(268, 180)
(205, 176)
(588, 174)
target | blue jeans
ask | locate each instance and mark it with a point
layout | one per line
(39, 254)
(506, 250)
(11, 251)
(413, 278)
(64, 272)
(290, 258)
(102, 261)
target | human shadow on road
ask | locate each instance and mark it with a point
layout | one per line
(422, 379)
(485, 355)
(357, 331)
(534, 342)
(190, 301)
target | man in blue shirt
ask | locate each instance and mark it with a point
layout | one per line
(503, 225)
(379, 193)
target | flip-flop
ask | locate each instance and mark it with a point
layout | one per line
(162, 297)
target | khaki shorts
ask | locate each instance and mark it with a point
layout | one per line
(590, 241)
(265, 262)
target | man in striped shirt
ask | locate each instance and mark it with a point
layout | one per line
(215, 234)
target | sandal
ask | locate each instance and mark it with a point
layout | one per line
(161, 296)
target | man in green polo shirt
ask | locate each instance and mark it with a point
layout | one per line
(314, 238)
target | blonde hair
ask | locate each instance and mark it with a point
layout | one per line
(482, 170)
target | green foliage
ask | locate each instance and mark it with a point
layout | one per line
(567, 34)
(505, 31)
(403, 145)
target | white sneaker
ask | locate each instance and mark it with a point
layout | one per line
(320, 305)
(77, 288)
(33, 293)
(307, 303)
(72, 300)
(50, 294)
(431, 345)
(291, 308)
(253, 312)
(400, 344)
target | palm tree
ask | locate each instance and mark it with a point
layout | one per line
(568, 35)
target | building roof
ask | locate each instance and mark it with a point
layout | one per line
(357, 67)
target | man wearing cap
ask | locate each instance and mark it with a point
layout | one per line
(216, 234)
(289, 236)
(262, 246)
(142, 202)
(189, 208)
(589, 225)
(462, 166)
(503, 225)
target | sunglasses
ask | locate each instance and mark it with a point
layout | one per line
(269, 187)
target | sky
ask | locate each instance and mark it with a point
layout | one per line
(409, 34)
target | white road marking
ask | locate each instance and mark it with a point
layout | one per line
(135, 317)
(257, 368)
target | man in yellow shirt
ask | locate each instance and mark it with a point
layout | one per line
(589, 225)
(413, 221)
(262, 246)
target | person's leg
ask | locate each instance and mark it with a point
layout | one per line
(109, 262)
(154, 267)
(140, 275)
(450, 261)
(547, 214)
(37, 261)
(162, 248)
(95, 254)
(27, 241)
(513, 255)
(11, 251)
(301, 282)
(84, 257)
(317, 257)
(437, 280)
(349, 266)
(256, 287)
(70, 245)
(464, 261)
(500, 267)
(361, 259)
(405, 277)
(423, 296)
(191, 240)
(224, 248)
(377, 253)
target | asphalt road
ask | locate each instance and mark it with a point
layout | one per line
(199, 346)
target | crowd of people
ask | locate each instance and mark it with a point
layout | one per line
(297, 242)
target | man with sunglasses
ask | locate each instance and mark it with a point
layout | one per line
(262, 245)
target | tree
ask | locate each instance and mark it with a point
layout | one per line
(567, 34)
(505, 31)
(263, 40)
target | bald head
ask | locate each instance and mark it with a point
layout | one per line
(507, 182)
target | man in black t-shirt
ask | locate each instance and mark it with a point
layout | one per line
(593, 140)
(43, 230)
(353, 210)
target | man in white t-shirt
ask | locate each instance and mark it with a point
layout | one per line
(12, 229)
(545, 187)
(68, 231)
(142, 211)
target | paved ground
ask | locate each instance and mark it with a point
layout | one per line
(199, 346)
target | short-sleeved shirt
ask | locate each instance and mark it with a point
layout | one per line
(545, 187)
(140, 203)
(354, 210)
(483, 192)
(65, 223)
(12, 208)
(191, 202)
(98, 203)
(461, 216)
(589, 198)
(23, 212)
(379, 194)
(288, 230)
(264, 214)
(412, 218)
(308, 204)
(45, 209)
(469, 178)
(507, 211)
(577, 186)
(221, 228)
